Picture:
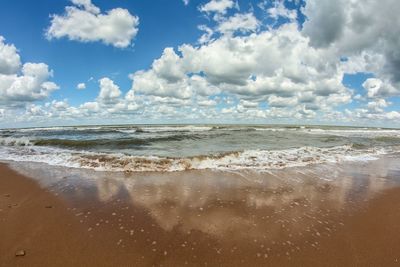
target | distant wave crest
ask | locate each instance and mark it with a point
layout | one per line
(110, 143)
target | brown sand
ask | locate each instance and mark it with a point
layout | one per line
(115, 233)
(34, 220)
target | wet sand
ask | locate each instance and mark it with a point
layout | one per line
(67, 217)
(37, 222)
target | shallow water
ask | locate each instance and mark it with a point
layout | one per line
(217, 217)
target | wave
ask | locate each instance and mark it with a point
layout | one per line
(387, 139)
(89, 143)
(129, 129)
(186, 128)
(256, 160)
(100, 147)
(369, 133)
(94, 143)
(234, 129)
(15, 141)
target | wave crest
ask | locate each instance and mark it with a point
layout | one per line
(259, 160)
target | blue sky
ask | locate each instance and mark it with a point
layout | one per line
(263, 62)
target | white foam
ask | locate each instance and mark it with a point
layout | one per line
(355, 132)
(15, 141)
(258, 160)
(50, 156)
(186, 128)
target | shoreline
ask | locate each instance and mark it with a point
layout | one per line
(153, 223)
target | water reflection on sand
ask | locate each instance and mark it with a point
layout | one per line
(276, 211)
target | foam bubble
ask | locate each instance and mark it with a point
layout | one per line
(258, 160)
(15, 141)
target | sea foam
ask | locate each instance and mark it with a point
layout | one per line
(257, 160)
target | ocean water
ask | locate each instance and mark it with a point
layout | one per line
(166, 148)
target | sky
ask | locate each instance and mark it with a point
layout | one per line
(73, 62)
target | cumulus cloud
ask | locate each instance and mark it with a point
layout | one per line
(378, 105)
(22, 84)
(277, 66)
(10, 61)
(90, 106)
(325, 21)
(280, 102)
(376, 87)
(81, 86)
(109, 91)
(166, 78)
(238, 66)
(57, 105)
(239, 22)
(367, 32)
(207, 35)
(392, 115)
(87, 5)
(207, 103)
(84, 22)
(279, 11)
(217, 6)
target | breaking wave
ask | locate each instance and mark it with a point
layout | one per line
(258, 160)
(138, 148)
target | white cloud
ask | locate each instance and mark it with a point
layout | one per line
(35, 110)
(10, 61)
(207, 103)
(376, 87)
(87, 5)
(19, 85)
(248, 104)
(364, 31)
(277, 66)
(58, 105)
(168, 67)
(130, 96)
(84, 22)
(109, 91)
(207, 35)
(392, 115)
(186, 2)
(166, 78)
(378, 105)
(90, 106)
(279, 10)
(81, 86)
(217, 6)
(281, 102)
(239, 22)
(148, 83)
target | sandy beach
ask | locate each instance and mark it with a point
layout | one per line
(187, 219)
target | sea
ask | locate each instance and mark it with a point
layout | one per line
(174, 148)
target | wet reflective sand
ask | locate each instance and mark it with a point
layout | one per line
(206, 218)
